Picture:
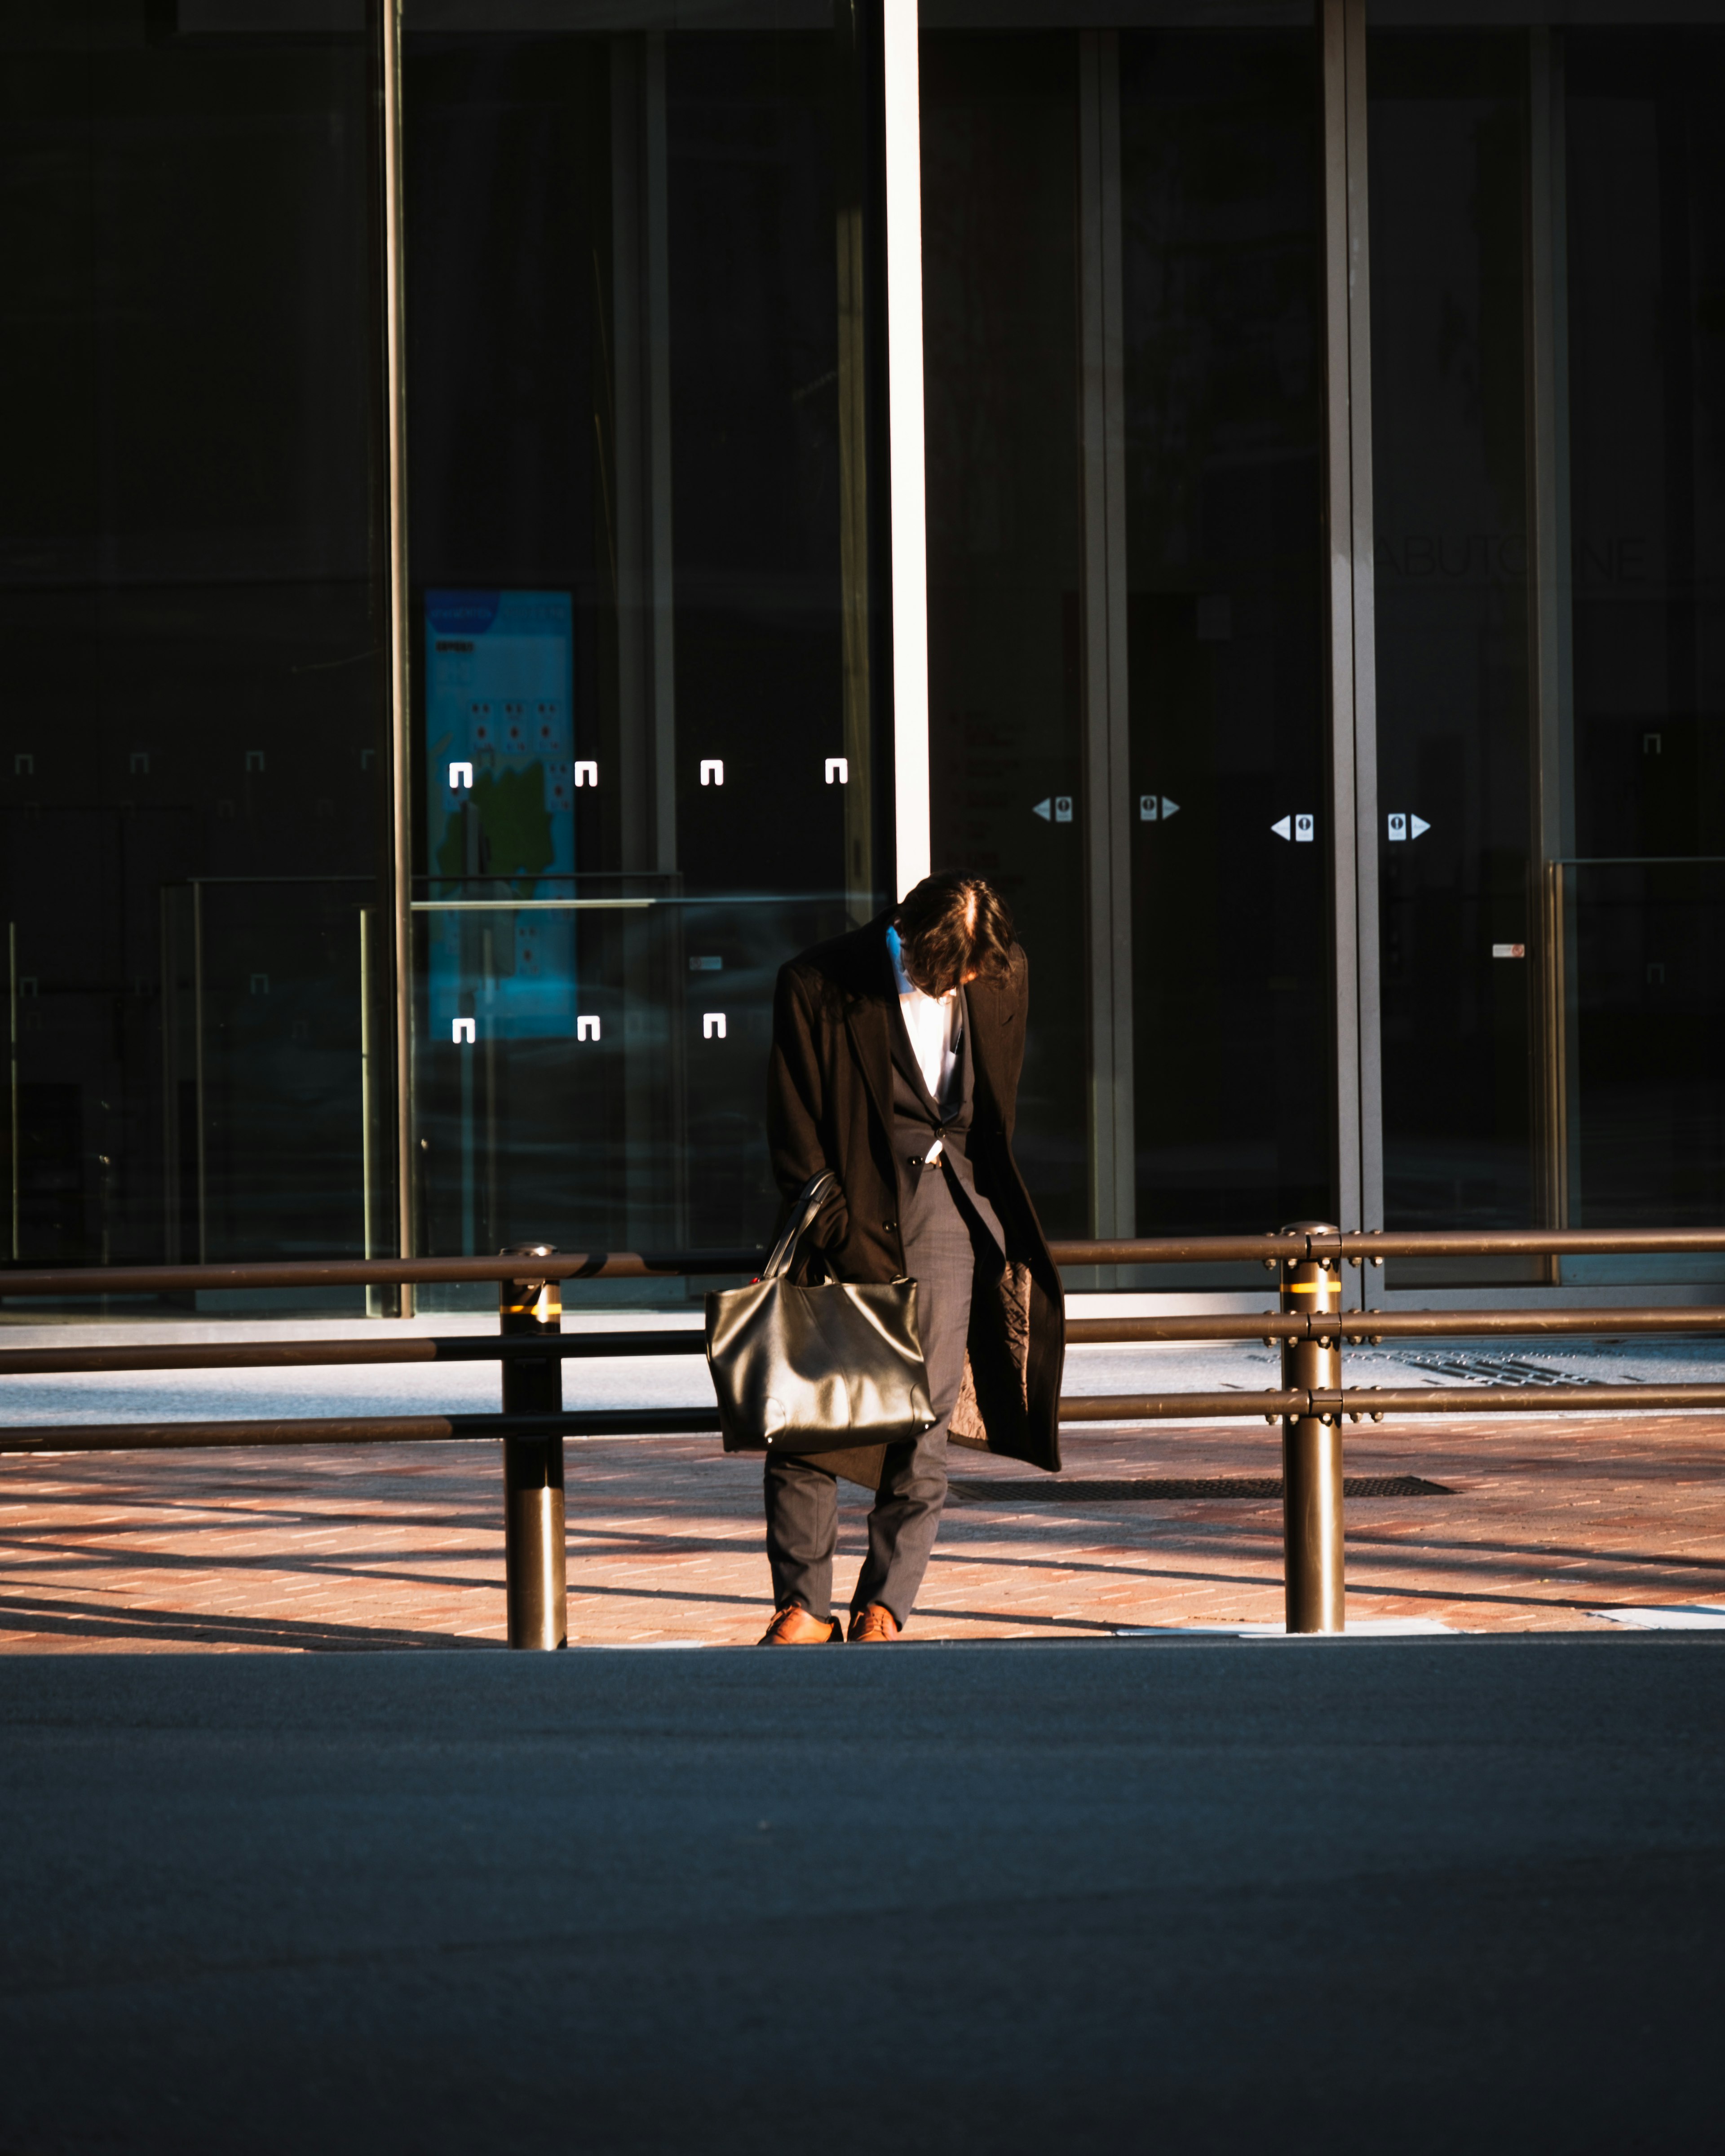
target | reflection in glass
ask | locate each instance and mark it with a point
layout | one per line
(639, 1127)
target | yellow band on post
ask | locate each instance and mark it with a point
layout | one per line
(542, 1300)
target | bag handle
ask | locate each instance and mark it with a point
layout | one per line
(808, 1201)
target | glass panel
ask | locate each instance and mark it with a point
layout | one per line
(1000, 356)
(192, 599)
(641, 1126)
(644, 618)
(1230, 871)
(277, 1105)
(1647, 1090)
(1646, 385)
(1448, 129)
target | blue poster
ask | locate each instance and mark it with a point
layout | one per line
(500, 739)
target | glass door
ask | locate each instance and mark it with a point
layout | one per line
(1122, 309)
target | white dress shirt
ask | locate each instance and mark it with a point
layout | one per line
(933, 1025)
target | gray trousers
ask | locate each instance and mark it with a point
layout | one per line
(944, 1238)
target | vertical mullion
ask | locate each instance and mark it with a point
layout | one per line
(1338, 533)
(1106, 744)
(1352, 656)
(635, 775)
(400, 772)
(1367, 821)
(641, 453)
(1548, 590)
(662, 686)
(655, 1181)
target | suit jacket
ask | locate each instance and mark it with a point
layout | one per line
(829, 1106)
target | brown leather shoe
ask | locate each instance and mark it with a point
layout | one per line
(793, 1626)
(875, 1626)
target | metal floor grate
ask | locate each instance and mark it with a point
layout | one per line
(1495, 1370)
(1052, 1490)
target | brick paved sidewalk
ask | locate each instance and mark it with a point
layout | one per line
(1542, 1519)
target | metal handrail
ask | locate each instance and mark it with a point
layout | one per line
(1296, 1403)
(1311, 1403)
(1375, 1244)
(1355, 1328)
(19, 1281)
(1354, 1247)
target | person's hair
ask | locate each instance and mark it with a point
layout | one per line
(950, 926)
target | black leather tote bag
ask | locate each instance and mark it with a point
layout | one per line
(815, 1369)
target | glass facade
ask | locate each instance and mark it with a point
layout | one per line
(1326, 636)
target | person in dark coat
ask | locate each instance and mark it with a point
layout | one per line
(896, 1050)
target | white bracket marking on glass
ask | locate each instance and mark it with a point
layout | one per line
(712, 1025)
(712, 771)
(254, 759)
(586, 1028)
(587, 774)
(24, 767)
(1044, 809)
(141, 760)
(838, 770)
(260, 984)
(464, 1031)
(1305, 830)
(1063, 808)
(460, 775)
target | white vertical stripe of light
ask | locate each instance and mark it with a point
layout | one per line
(904, 395)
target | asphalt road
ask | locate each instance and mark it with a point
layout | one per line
(1403, 1896)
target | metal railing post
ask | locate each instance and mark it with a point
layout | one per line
(536, 1585)
(1311, 1447)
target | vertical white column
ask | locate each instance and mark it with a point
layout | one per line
(905, 469)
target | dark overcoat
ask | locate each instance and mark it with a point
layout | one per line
(829, 1100)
